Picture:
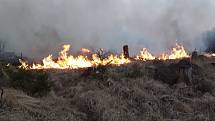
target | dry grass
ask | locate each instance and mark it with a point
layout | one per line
(127, 93)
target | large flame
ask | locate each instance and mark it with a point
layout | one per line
(176, 53)
(210, 55)
(145, 55)
(66, 61)
(112, 59)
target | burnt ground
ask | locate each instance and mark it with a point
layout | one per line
(150, 91)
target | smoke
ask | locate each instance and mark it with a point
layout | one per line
(39, 27)
(209, 38)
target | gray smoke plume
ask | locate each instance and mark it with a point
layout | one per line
(209, 39)
(39, 27)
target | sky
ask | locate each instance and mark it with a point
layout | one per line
(39, 27)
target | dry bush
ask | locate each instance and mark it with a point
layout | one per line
(21, 107)
(33, 82)
(92, 103)
(135, 71)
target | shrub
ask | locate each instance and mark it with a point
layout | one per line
(34, 83)
(135, 71)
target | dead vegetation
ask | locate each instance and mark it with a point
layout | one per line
(34, 83)
(131, 92)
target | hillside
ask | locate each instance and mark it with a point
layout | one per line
(140, 91)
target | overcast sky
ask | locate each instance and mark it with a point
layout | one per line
(39, 27)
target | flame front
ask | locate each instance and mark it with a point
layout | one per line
(145, 55)
(66, 61)
(210, 55)
(176, 53)
(112, 59)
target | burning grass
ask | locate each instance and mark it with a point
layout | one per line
(129, 92)
(66, 61)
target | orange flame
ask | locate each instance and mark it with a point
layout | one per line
(66, 61)
(145, 55)
(112, 59)
(209, 55)
(85, 50)
(176, 53)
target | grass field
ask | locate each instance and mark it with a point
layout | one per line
(126, 93)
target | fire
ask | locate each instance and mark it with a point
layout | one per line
(66, 61)
(209, 55)
(85, 50)
(145, 55)
(24, 64)
(176, 53)
(112, 59)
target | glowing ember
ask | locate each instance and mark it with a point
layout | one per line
(209, 55)
(145, 55)
(66, 61)
(85, 50)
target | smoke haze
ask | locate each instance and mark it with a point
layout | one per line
(209, 39)
(39, 27)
